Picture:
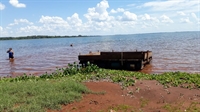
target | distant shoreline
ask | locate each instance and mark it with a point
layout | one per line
(42, 37)
(75, 36)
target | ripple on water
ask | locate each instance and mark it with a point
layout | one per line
(171, 52)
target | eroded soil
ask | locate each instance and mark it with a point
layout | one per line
(145, 96)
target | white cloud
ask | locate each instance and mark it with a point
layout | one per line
(101, 26)
(128, 16)
(194, 16)
(166, 19)
(181, 13)
(102, 6)
(74, 20)
(185, 20)
(75, 23)
(16, 3)
(20, 21)
(99, 13)
(118, 10)
(53, 25)
(147, 17)
(24, 21)
(169, 5)
(52, 20)
(1, 28)
(146, 22)
(45, 29)
(2, 6)
(113, 11)
(29, 29)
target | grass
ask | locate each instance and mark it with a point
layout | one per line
(39, 95)
(193, 107)
(50, 91)
(143, 102)
(119, 108)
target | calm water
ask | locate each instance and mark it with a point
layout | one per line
(171, 52)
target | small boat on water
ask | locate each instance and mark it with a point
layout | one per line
(130, 60)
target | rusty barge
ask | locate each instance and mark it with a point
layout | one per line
(130, 60)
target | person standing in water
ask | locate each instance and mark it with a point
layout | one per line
(11, 53)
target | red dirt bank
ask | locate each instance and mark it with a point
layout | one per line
(145, 96)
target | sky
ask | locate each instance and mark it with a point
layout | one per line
(97, 17)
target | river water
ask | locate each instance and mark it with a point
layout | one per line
(177, 51)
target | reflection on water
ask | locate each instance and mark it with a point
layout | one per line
(171, 52)
(12, 66)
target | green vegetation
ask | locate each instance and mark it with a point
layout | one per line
(144, 102)
(193, 107)
(123, 108)
(50, 91)
(39, 37)
(182, 79)
(26, 96)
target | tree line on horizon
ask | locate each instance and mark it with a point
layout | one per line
(39, 37)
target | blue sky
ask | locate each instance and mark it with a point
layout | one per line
(97, 17)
